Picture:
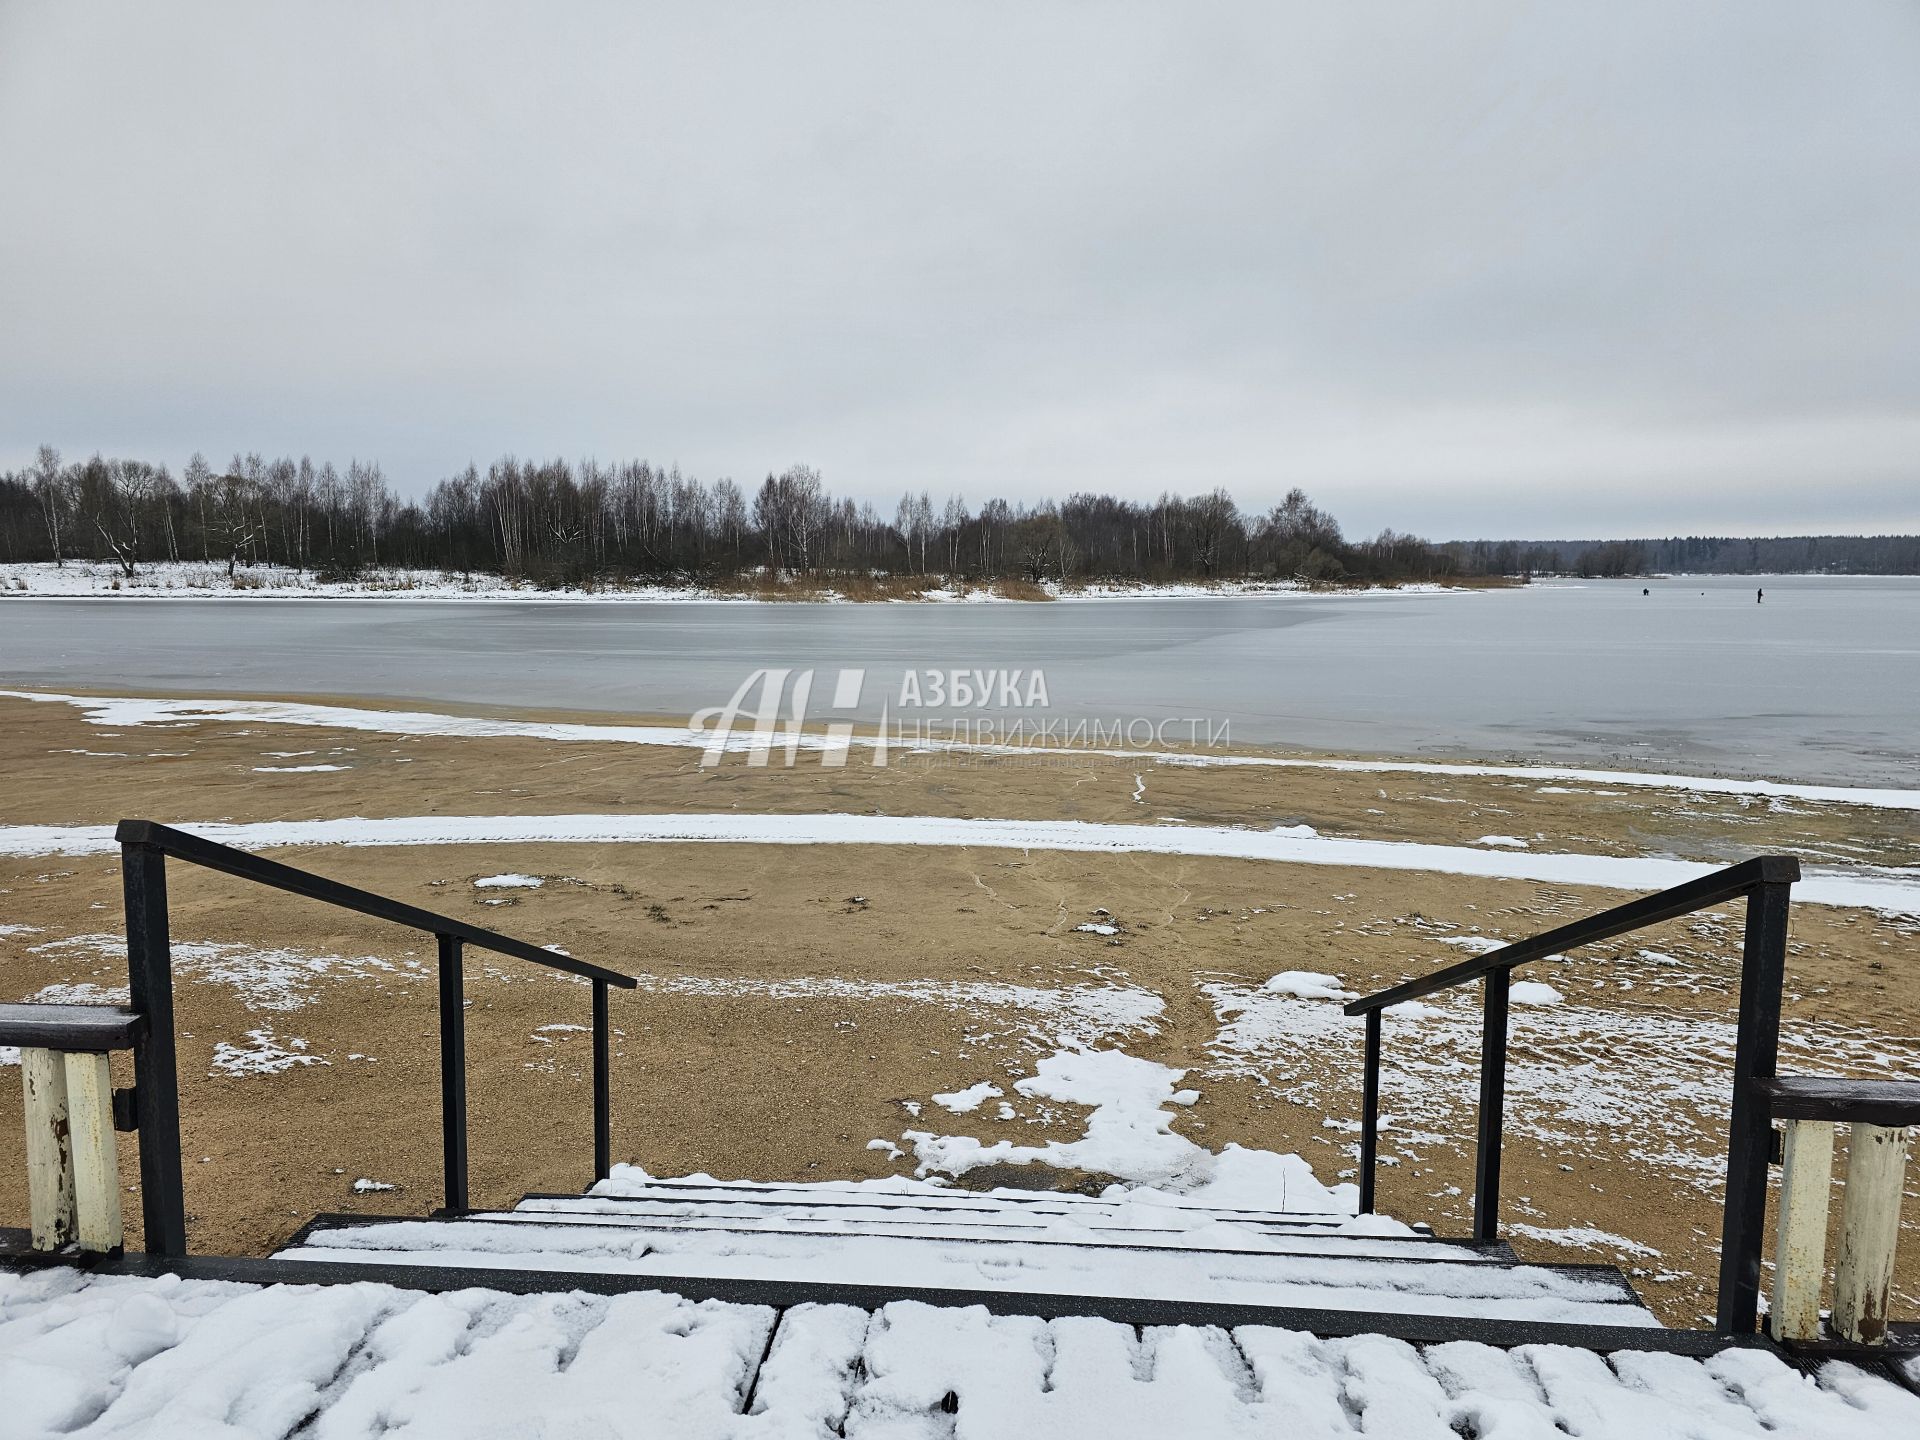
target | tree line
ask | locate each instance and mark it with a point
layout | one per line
(557, 523)
(1706, 555)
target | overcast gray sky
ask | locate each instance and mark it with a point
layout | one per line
(1460, 268)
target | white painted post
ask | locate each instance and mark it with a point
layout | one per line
(1800, 1246)
(1869, 1226)
(96, 1161)
(49, 1157)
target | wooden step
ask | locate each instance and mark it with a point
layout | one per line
(1218, 1238)
(998, 1202)
(1343, 1273)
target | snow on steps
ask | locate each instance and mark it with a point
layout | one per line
(124, 1356)
(1136, 1205)
(1025, 1243)
(1251, 1237)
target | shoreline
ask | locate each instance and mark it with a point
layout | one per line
(420, 718)
(193, 580)
(189, 580)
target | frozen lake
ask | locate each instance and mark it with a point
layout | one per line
(1821, 682)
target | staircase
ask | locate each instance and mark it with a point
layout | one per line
(842, 1240)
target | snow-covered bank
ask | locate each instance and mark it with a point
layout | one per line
(192, 580)
(1893, 891)
(118, 712)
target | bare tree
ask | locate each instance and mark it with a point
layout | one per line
(730, 516)
(53, 489)
(232, 520)
(198, 477)
(1212, 520)
(120, 499)
(953, 526)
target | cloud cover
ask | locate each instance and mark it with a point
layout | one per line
(1466, 268)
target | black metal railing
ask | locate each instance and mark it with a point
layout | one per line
(144, 848)
(1765, 884)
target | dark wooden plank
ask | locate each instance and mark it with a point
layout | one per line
(71, 1027)
(1865, 1102)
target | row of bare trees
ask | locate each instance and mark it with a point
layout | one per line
(561, 523)
(132, 512)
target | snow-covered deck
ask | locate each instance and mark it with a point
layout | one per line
(112, 1355)
(910, 1236)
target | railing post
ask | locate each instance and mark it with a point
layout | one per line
(156, 1079)
(1869, 1231)
(1800, 1239)
(1370, 1114)
(1493, 1101)
(50, 1190)
(1750, 1126)
(602, 1087)
(453, 1072)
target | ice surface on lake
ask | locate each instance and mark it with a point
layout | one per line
(1614, 678)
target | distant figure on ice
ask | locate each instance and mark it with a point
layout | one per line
(1645, 591)
(1759, 596)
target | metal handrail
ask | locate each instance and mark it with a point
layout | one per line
(211, 855)
(1732, 883)
(1765, 884)
(144, 848)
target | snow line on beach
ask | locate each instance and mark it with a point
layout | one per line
(118, 712)
(1893, 891)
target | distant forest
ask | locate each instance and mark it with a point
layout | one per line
(1696, 555)
(562, 524)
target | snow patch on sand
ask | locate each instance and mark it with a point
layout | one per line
(1583, 1237)
(1042, 1018)
(263, 1055)
(1533, 992)
(262, 978)
(1653, 1083)
(972, 1098)
(81, 992)
(1307, 985)
(1129, 1134)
